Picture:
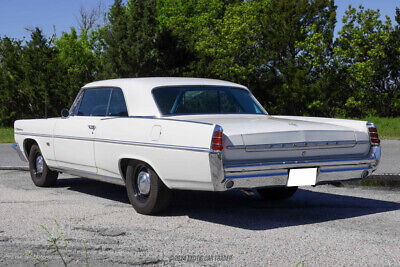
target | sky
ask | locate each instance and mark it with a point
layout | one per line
(16, 15)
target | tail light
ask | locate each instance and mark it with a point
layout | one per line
(373, 134)
(216, 142)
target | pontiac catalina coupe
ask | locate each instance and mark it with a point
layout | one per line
(154, 135)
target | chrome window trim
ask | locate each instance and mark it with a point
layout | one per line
(83, 89)
(109, 103)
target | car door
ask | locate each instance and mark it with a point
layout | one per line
(107, 154)
(74, 135)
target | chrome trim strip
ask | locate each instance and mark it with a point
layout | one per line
(197, 149)
(73, 137)
(256, 175)
(300, 145)
(90, 175)
(189, 148)
(19, 152)
(373, 156)
(347, 169)
(33, 134)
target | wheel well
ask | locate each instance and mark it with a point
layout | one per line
(28, 143)
(123, 165)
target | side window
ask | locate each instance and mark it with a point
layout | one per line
(94, 102)
(117, 104)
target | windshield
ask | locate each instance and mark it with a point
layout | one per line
(205, 100)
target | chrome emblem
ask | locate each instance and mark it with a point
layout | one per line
(293, 124)
(303, 153)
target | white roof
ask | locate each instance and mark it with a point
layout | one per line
(137, 91)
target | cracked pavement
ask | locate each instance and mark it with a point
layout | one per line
(325, 225)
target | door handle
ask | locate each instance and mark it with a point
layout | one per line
(92, 127)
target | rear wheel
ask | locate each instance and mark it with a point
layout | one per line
(277, 193)
(146, 192)
(41, 175)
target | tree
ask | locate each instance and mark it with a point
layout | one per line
(10, 78)
(297, 42)
(359, 51)
(78, 60)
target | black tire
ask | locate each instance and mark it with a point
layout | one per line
(277, 193)
(156, 200)
(41, 177)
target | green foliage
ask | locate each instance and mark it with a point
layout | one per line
(7, 135)
(283, 50)
(358, 54)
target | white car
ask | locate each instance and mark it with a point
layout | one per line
(154, 135)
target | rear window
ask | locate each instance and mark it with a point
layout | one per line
(205, 100)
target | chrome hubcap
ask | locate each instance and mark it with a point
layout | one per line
(39, 164)
(143, 182)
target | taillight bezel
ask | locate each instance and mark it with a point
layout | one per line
(217, 144)
(373, 134)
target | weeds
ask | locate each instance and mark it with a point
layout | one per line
(55, 247)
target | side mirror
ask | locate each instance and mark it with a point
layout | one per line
(64, 113)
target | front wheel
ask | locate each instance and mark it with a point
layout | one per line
(41, 175)
(277, 193)
(146, 192)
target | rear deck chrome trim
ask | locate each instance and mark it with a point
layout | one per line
(299, 145)
(372, 157)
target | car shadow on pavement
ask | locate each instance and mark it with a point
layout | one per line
(237, 209)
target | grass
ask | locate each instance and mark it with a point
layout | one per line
(6, 135)
(61, 250)
(390, 181)
(388, 128)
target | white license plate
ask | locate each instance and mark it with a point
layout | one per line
(301, 177)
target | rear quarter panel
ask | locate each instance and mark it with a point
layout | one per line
(179, 154)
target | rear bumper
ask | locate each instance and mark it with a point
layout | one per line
(262, 174)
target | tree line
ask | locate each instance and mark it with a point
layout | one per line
(285, 51)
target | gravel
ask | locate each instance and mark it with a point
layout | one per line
(325, 225)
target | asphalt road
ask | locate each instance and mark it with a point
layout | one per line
(390, 162)
(321, 226)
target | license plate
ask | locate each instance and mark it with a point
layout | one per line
(301, 177)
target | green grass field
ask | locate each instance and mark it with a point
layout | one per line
(388, 128)
(6, 135)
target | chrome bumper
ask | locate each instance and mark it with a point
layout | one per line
(263, 174)
(19, 152)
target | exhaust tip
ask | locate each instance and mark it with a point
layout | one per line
(229, 184)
